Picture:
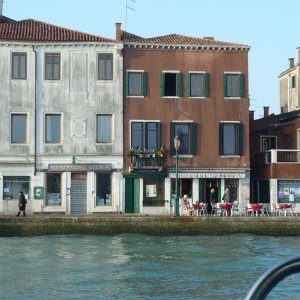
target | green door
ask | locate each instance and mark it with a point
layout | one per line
(136, 196)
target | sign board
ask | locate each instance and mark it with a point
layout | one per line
(80, 167)
(38, 192)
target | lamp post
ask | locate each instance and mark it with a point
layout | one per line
(176, 146)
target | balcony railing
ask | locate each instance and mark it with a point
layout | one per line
(276, 156)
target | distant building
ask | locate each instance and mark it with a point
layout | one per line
(289, 81)
(61, 119)
(193, 88)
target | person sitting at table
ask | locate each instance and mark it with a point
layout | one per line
(186, 205)
(226, 196)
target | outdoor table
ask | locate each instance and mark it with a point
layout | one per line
(226, 207)
(257, 208)
(285, 207)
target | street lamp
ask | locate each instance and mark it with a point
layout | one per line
(176, 146)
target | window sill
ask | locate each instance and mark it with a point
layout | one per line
(198, 97)
(184, 156)
(230, 156)
(53, 81)
(170, 97)
(140, 97)
(232, 98)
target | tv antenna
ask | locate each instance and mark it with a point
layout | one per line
(128, 7)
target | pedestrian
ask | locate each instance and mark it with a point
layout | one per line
(22, 204)
(226, 196)
(211, 202)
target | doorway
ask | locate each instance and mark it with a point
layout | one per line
(78, 193)
(212, 184)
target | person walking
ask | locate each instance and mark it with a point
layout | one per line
(22, 204)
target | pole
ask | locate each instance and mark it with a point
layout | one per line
(176, 187)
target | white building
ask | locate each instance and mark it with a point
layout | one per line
(61, 123)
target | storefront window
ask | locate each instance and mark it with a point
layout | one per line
(103, 189)
(153, 192)
(185, 187)
(13, 184)
(53, 189)
(288, 191)
(233, 185)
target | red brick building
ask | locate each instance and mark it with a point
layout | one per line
(193, 88)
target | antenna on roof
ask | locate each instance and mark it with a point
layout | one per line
(128, 7)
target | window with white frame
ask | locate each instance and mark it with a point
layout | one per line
(234, 85)
(52, 66)
(171, 84)
(53, 129)
(19, 65)
(136, 83)
(145, 135)
(19, 129)
(104, 128)
(105, 66)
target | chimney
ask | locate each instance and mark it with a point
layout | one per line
(291, 63)
(266, 111)
(118, 31)
(251, 115)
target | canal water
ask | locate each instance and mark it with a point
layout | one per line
(131, 266)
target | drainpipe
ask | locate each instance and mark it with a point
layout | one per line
(35, 105)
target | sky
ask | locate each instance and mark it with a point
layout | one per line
(267, 26)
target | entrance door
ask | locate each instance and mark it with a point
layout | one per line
(212, 184)
(78, 193)
(132, 195)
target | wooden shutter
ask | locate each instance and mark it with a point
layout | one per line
(172, 135)
(179, 85)
(162, 84)
(240, 137)
(144, 83)
(221, 139)
(241, 83)
(225, 85)
(128, 195)
(201, 196)
(206, 85)
(126, 87)
(193, 139)
(188, 84)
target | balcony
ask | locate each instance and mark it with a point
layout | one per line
(276, 156)
(146, 160)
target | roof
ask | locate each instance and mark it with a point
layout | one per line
(177, 39)
(36, 31)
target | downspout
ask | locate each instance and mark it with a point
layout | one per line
(35, 105)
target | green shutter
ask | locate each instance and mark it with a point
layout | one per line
(206, 85)
(193, 139)
(144, 83)
(162, 84)
(172, 135)
(201, 196)
(240, 141)
(221, 139)
(179, 85)
(126, 87)
(188, 84)
(128, 195)
(241, 81)
(225, 85)
(158, 135)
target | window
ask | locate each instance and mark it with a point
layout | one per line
(105, 66)
(104, 129)
(13, 184)
(231, 139)
(288, 191)
(104, 189)
(185, 187)
(52, 66)
(153, 191)
(19, 66)
(136, 83)
(197, 85)
(19, 128)
(234, 85)
(268, 143)
(171, 84)
(293, 81)
(187, 135)
(53, 189)
(145, 135)
(53, 129)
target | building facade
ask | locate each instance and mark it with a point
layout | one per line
(195, 89)
(289, 81)
(275, 157)
(61, 119)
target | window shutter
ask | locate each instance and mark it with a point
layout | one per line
(126, 87)
(193, 139)
(206, 85)
(241, 81)
(225, 85)
(162, 84)
(144, 83)
(188, 84)
(221, 139)
(179, 85)
(128, 195)
(240, 137)
(172, 135)
(158, 135)
(201, 196)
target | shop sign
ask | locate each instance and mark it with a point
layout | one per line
(79, 167)
(208, 175)
(145, 171)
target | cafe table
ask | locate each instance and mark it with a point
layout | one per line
(226, 207)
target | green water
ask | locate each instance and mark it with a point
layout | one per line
(142, 267)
